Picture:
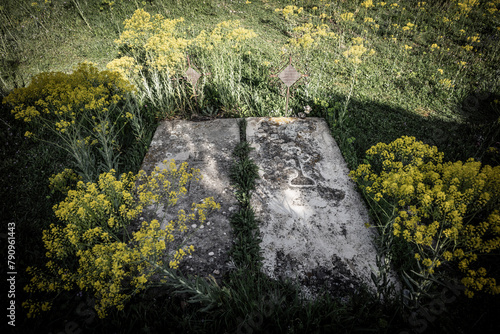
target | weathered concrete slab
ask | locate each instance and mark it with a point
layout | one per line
(207, 146)
(312, 219)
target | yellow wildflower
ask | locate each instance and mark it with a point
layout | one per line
(347, 16)
(367, 4)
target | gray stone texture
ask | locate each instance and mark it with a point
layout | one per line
(207, 146)
(312, 220)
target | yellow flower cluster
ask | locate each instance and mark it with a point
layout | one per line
(474, 39)
(309, 36)
(462, 8)
(155, 42)
(465, 6)
(91, 247)
(347, 16)
(492, 8)
(226, 32)
(371, 22)
(409, 26)
(61, 98)
(124, 65)
(179, 254)
(356, 51)
(109, 200)
(468, 47)
(446, 83)
(157, 37)
(73, 106)
(104, 270)
(35, 307)
(167, 184)
(367, 4)
(63, 181)
(290, 11)
(447, 210)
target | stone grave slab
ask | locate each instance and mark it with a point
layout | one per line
(207, 146)
(312, 220)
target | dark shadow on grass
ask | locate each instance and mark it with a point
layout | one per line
(10, 74)
(367, 123)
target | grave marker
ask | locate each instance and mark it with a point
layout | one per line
(191, 75)
(289, 75)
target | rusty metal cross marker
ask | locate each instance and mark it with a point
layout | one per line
(191, 75)
(289, 76)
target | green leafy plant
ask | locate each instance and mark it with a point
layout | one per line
(243, 173)
(79, 112)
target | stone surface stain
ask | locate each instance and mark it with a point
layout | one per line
(312, 218)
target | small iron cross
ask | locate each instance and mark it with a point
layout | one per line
(191, 75)
(289, 75)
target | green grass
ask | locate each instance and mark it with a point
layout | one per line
(395, 92)
(243, 173)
